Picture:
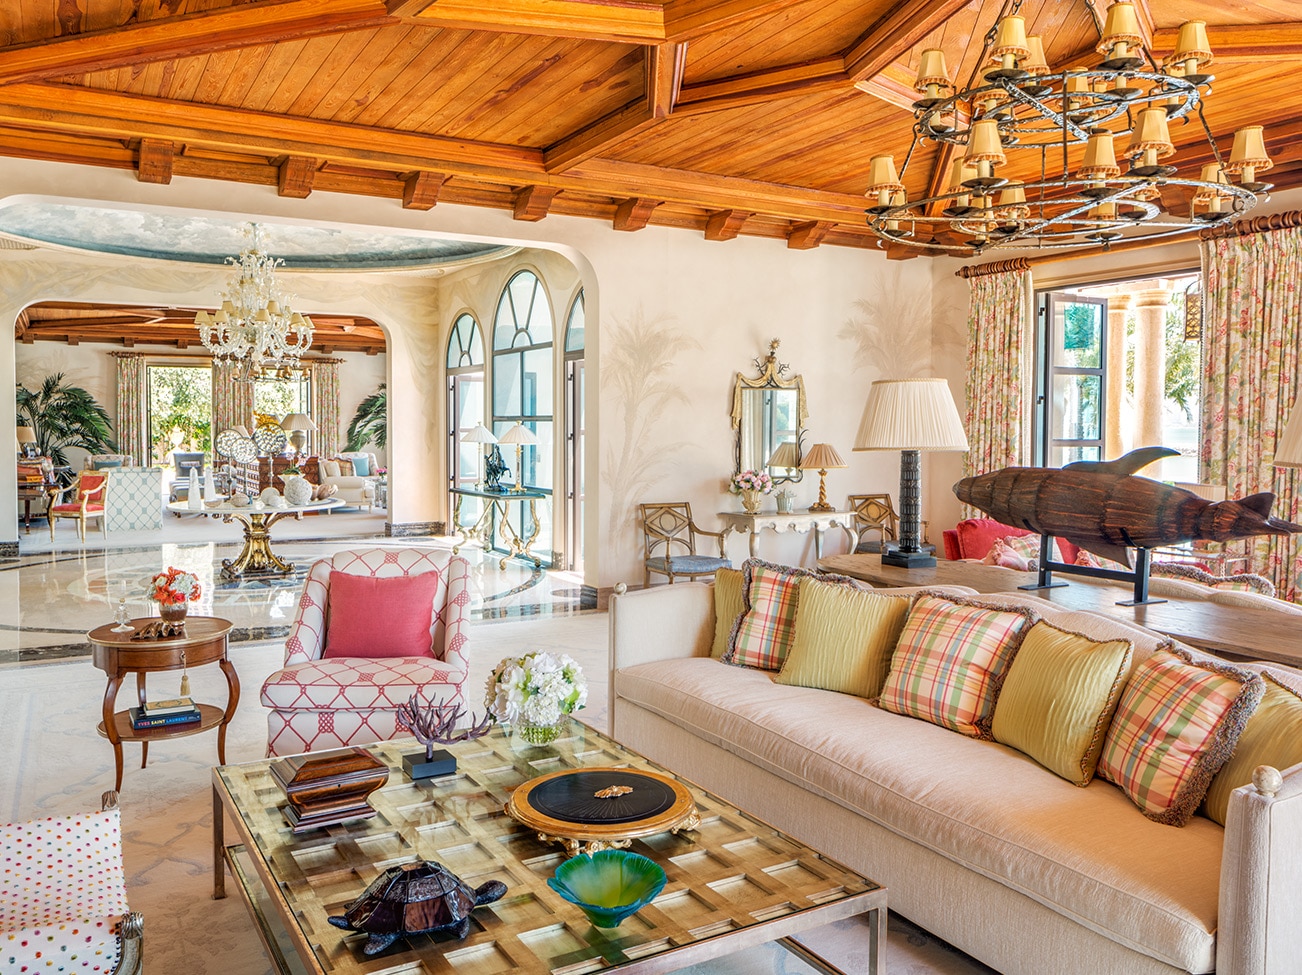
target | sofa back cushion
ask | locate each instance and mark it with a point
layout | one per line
(729, 604)
(358, 603)
(844, 638)
(1272, 737)
(1176, 725)
(951, 661)
(1059, 697)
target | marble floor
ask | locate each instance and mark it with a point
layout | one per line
(54, 594)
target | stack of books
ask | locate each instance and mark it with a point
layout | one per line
(161, 714)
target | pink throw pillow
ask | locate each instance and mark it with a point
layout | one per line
(380, 616)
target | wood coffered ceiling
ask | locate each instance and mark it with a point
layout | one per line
(725, 117)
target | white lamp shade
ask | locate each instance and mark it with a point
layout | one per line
(821, 457)
(786, 455)
(910, 414)
(1288, 449)
(518, 434)
(480, 434)
(297, 421)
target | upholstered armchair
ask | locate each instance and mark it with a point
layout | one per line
(320, 701)
(99, 462)
(367, 468)
(349, 487)
(87, 501)
(63, 902)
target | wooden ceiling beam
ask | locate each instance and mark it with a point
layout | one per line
(622, 21)
(725, 224)
(1259, 42)
(295, 177)
(739, 91)
(205, 32)
(532, 203)
(634, 213)
(896, 34)
(938, 182)
(808, 235)
(664, 77)
(420, 190)
(691, 18)
(604, 134)
(154, 161)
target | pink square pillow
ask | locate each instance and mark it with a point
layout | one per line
(380, 616)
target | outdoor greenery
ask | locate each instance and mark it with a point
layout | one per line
(180, 410)
(64, 416)
(370, 423)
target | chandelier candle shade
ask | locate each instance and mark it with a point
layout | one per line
(822, 457)
(1018, 115)
(255, 327)
(910, 415)
(520, 435)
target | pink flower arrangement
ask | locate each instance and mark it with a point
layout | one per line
(174, 586)
(752, 481)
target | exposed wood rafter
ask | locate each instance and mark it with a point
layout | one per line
(420, 190)
(738, 91)
(896, 34)
(725, 224)
(808, 235)
(664, 77)
(1267, 42)
(154, 161)
(296, 176)
(532, 203)
(634, 213)
(604, 134)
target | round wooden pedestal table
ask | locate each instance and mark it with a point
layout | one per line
(118, 654)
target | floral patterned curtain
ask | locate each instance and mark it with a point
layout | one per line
(998, 361)
(1252, 344)
(133, 407)
(232, 401)
(325, 406)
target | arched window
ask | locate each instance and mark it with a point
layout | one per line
(465, 365)
(523, 371)
(574, 327)
(574, 433)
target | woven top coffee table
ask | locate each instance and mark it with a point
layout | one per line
(733, 882)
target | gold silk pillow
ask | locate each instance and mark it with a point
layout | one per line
(844, 638)
(729, 603)
(1272, 737)
(1059, 697)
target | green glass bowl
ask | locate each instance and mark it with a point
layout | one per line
(608, 886)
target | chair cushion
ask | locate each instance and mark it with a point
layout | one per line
(85, 945)
(76, 508)
(684, 564)
(358, 683)
(362, 466)
(356, 603)
(1059, 697)
(951, 661)
(1175, 727)
(329, 468)
(844, 638)
(729, 603)
(65, 868)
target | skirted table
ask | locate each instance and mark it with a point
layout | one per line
(256, 556)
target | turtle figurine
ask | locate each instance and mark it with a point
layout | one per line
(414, 898)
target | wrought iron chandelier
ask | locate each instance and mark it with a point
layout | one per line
(1020, 105)
(255, 327)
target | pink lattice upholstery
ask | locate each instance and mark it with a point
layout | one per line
(318, 704)
(62, 894)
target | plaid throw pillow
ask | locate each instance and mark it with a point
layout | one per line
(1176, 725)
(762, 636)
(951, 661)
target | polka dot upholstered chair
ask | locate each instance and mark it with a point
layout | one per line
(63, 897)
(326, 700)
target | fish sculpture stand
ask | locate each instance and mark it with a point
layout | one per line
(1106, 509)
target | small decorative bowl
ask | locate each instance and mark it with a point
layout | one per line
(608, 886)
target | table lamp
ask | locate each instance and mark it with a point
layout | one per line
(518, 435)
(481, 435)
(821, 457)
(26, 441)
(297, 426)
(1288, 448)
(910, 415)
(786, 456)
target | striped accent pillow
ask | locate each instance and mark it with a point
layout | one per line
(763, 635)
(951, 661)
(1176, 725)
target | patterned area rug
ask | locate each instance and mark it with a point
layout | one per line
(59, 765)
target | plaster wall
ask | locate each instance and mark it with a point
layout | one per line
(671, 319)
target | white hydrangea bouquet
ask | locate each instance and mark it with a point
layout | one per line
(532, 693)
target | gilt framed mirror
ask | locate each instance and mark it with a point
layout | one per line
(767, 411)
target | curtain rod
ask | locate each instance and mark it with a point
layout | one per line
(1239, 228)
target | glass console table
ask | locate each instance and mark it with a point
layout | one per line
(497, 515)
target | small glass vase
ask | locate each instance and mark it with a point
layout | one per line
(539, 734)
(172, 612)
(750, 501)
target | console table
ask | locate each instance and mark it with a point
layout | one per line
(802, 522)
(499, 504)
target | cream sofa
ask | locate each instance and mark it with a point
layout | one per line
(977, 843)
(358, 491)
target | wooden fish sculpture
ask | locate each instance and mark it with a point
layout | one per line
(1103, 507)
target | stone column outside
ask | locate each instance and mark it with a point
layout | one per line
(1150, 366)
(1114, 444)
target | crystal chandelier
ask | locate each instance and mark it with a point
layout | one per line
(1020, 105)
(255, 328)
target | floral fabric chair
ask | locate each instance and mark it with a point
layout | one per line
(320, 703)
(89, 492)
(63, 902)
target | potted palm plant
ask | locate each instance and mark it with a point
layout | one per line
(370, 423)
(63, 416)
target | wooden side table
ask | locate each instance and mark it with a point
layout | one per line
(117, 654)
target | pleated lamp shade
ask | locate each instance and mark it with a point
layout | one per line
(518, 434)
(821, 457)
(1288, 450)
(297, 421)
(786, 455)
(910, 414)
(480, 434)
